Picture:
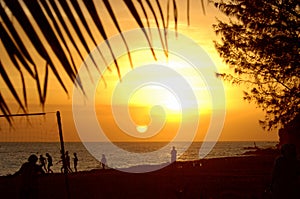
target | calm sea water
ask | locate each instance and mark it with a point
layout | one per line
(12, 155)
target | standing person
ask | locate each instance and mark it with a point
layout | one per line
(42, 160)
(29, 183)
(49, 163)
(173, 155)
(103, 161)
(62, 162)
(75, 160)
(68, 161)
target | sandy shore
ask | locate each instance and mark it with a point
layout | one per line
(232, 177)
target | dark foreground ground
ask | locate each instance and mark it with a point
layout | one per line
(234, 177)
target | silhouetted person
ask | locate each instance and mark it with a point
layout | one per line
(66, 164)
(103, 161)
(285, 174)
(62, 162)
(68, 161)
(49, 163)
(42, 161)
(255, 146)
(75, 160)
(173, 154)
(28, 172)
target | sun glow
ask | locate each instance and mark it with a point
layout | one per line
(142, 128)
(172, 104)
(165, 95)
(150, 96)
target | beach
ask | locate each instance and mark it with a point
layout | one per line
(231, 177)
(13, 155)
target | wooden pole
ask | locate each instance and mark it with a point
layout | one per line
(23, 114)
(61, 138)
(62, 146)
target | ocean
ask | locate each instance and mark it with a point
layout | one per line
(12, 155)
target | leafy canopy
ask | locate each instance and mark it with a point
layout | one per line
(260, 42)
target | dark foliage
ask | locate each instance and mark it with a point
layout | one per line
(260, 41)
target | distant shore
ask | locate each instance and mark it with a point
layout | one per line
(230, 177)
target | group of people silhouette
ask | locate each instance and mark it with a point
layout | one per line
(46, 163)
(36, 166)
(66, 162)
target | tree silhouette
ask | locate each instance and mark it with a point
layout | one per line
(260, 42)
(46, 30)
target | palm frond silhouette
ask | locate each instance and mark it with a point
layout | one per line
(58, 32)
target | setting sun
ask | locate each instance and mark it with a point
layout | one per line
(172, 104)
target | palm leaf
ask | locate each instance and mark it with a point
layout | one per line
(164, 25)
(38, 85)
(113, 17)
(53, 41)
(84, 22)
(82, 19)
(175, 15)
(203, 8)
(137, 18)
(12, 51)
(11, 88)
(96, 18)
(5, 109)
(157, 25)
(72, 19)
(23, 20)
(188, 11)
(16, 36)
(168, 13)
(45, 81)
(147, 19)
(58, 30)
(63, 23)
(65, 27)
(24, 89)
(49, 16)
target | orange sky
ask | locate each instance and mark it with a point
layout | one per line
(241, 122)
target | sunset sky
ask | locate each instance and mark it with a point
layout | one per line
(241, 121)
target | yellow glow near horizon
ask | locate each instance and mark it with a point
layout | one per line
(154, 95)
(172, 104)
(151, 96)
(144, 98)
(175, 63)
